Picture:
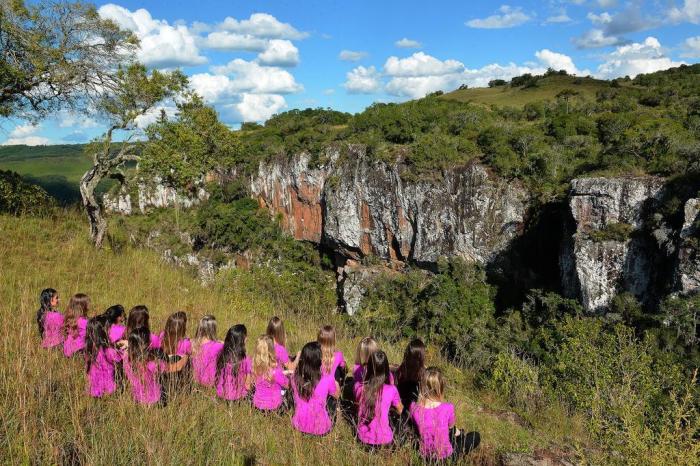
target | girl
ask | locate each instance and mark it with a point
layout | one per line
(138, 317)
(176, 348)
(269, 377)
(205, 351)
(411, 371)
(233, 367)
(311, 393)
(49, 320)
(100, 358)
(142, 368)
(74, 324)
(435, 420)
(114, 316)
(332, 361)
(376, 396)
(365, 349)
(275, 330)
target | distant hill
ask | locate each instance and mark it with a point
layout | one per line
(544, 88)
(57, 169)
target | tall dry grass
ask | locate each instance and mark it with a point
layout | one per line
(46, 417)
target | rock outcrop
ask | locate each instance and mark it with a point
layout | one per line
(149, 196)
(596, 266)
(357, 208)
(688, 265)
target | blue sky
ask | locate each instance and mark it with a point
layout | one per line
(256, 58)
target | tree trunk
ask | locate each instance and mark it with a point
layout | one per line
(98, 223)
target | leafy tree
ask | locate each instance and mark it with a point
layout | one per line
(566, 95)
(136, 93)
(179, 151)
(17, 197)
(57, 53)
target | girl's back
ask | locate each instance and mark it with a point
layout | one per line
(101, 373)
(233, 387)
(433, 425)
(75, 338)
(116, 333)
(53, 329)
(268, 389)
(378, 431)
(311, 416)
(143, 378)
(204, 362)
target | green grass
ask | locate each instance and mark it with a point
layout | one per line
(46, 418)
(547, 88)
(57, 169)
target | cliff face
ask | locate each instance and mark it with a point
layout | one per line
(146, 197)
(358, 208)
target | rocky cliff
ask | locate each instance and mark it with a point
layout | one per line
(358, 208)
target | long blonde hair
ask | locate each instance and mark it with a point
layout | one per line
(432, 386)
(365, 348)
(326, 338)
(264, 360)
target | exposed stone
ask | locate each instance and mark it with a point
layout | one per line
(540, 457)
(688, 265)
(353, 282)
(150, 196)
(595, 271)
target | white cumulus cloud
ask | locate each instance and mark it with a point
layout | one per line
(636, 58)
(363, 80)
(558, 61)
(256, 107)
(262, 25)
(25, 134)
(506, 17)
(230, 41)
(252, 77)
(407, 43)
(689, 12)
(279, 52)
(691, 47)
(596, 38)
(421, 64)
(162, 44)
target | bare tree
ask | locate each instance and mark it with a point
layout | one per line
(136, 93)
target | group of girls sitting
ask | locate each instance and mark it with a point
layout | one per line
(155, 366)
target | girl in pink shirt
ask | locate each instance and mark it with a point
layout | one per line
(143, 368)
(177, 349)
(205, 351)
(332, 361)
(233, 367)
(376, 396)
(270, 380)
(100, 359)
(315, 396)
(275, 330)
(435, 421)
(365, 349)
(74, 324)
(138, 317)
(49, 320)
(114, 317)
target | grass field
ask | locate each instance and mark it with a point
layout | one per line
(46, 418)
(547, 89)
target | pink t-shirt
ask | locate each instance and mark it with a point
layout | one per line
(377, 432)
(204, 362)
(358, 374)
(233, 388)
(53, 329)
(155, 341)
(101, 373)
(184, 346)
(311, 416)
(338, 361)
(116, 332)
(434, 429)
(281, 354)
(145, 386)
(268, 393)
(74, 342)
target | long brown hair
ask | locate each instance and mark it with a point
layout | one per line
(275, 330)
(376, 376)
(326, 338)
(205, 329)
(308, 372)
(78, 306)
(413, 365)
(138, 317)
(175, 329)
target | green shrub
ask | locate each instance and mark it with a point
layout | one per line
(614, 231)
(515, 379)
(17, 197)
